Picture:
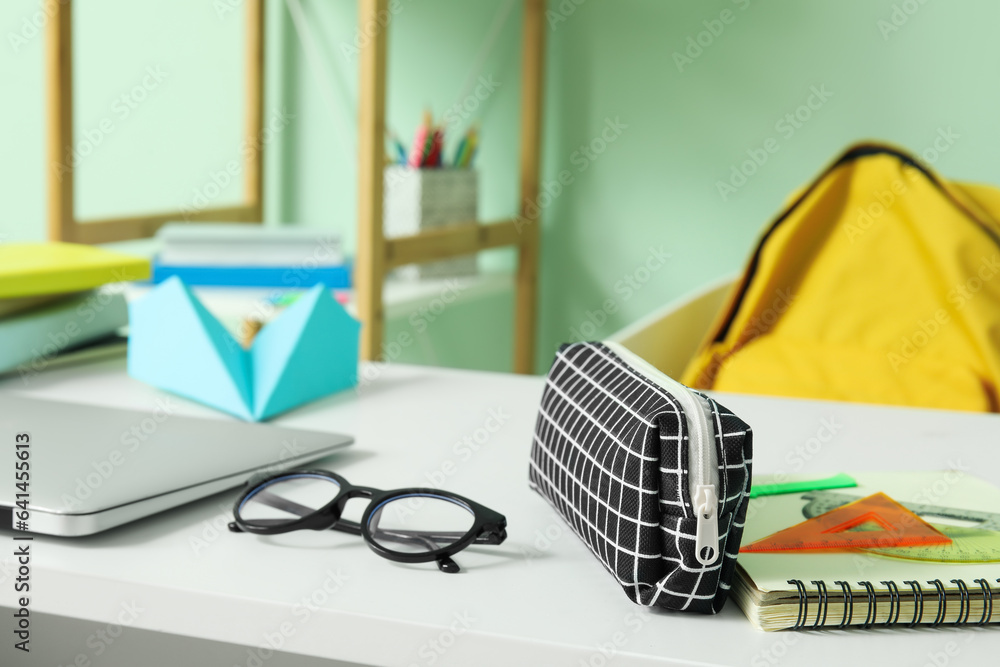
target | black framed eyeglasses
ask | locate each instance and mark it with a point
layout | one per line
(414, 525)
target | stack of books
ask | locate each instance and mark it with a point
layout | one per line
(249, 255)
(59, 298)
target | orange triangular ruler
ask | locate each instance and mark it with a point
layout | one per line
(899, 528)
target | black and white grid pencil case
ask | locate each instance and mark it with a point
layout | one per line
(652, 476)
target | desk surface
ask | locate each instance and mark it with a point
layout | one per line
(539, 599)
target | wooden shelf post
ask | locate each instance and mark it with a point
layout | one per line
(369, 266)
(526, 286)
(376, 255)
(59, 167)
(253, 180)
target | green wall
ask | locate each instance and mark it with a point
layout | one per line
(657, 184)
(641, 122)
(159, 106)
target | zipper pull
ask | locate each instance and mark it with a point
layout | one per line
(707, 533)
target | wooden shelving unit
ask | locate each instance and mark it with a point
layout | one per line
(377, 255)
(63, 224)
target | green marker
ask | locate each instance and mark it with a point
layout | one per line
(840, 481)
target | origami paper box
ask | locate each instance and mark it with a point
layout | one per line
(309, 351)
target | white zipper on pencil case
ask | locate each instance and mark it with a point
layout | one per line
(703, 459)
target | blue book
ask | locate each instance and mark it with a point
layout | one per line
(291, 277)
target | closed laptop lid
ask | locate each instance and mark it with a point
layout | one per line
(85, 459)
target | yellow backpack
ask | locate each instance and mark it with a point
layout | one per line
(879, 283)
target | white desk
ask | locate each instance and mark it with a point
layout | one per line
(539, 599)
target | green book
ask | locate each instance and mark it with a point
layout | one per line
(29, 341)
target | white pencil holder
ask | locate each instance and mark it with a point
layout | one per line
(417, 199)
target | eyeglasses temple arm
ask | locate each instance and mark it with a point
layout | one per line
(277, 502)
(345, 526)
(487, 537)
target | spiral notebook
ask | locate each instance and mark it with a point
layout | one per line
(941, 584)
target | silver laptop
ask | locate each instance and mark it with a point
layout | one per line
(92, 468)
